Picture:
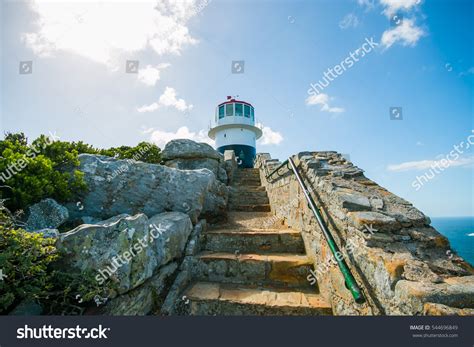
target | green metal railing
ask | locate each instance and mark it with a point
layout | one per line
(285, 163)
(350, 281)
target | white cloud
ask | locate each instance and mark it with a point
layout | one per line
(407, 33)
(393, 6)
(323, 100)
(369, 4)
(151, 74)
(269, 137)
(148, 108)
(167, 99)
(349, 21)
(427, 164)
(161, 138)
(469, 71)
(107, 31)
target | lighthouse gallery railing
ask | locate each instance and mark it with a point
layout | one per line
(350, 281)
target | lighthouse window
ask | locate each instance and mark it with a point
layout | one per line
(247, 111)
(239, 110)
(221, 111)
(229, 110)
(251, 113)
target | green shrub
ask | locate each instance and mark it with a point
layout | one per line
(144, 151)
(46, 169)
(24, 259)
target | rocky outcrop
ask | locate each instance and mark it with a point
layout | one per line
(186, 154)
(402, 264)
(126, 251)
(120, 186)
(46, 214)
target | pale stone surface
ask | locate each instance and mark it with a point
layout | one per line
(354, 202)
(46, 214)
(186, 154)
(155, 242)
(145, 188)
(184, 148)
(144, 299)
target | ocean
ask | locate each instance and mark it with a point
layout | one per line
(460, 233)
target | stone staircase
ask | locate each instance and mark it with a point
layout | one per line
(252, 264)
(247, 193)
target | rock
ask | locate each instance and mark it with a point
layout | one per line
(48, 233)
(46, 214)
(419, 271)
(376, 203)
(410, 296)
(193, 246)
(376, 220)
(90, 220)
(429, 236)
(27, 307)
(188, 149)
(230, 164)
(145, 188)
(354, 202)
(126, 249)
(142, 300)
(186, 154)
(173, 302)
(174, 231)
(431, 309)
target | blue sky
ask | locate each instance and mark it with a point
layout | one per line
(79, 89)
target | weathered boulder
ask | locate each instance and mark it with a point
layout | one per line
(48, 233)
(144, 299)
(230, 164)
(46, 214)
(186, 154)
(145, 188)
(127, 250)
(188, 149)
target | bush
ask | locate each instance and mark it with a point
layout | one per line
(45, 169)
(144, 151)
(24, 259)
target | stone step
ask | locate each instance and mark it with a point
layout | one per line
(250, 208)
(250, 177)
(249, 171)
(249, 189)
(243, 190)
(283, 269)
(246, 182)
(207, 298)
(253, 220)
(248, 199)
(254, 240)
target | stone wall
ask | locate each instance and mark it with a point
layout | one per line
(402, 264)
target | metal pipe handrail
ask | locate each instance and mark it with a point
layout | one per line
(351, 283)
(285, 163)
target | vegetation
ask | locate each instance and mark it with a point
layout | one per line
(30, 172)
(24, 259)
(28, 262)
(45, 168)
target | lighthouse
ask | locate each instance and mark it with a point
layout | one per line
(235, 130)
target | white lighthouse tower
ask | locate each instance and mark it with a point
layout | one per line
(235, 130)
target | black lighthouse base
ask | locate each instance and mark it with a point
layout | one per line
(246, 154)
